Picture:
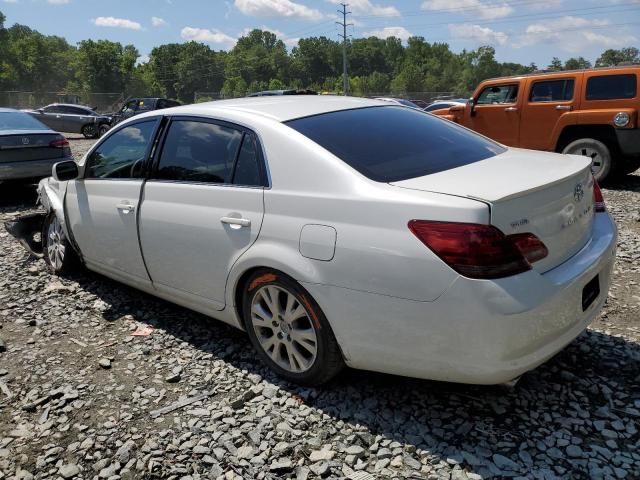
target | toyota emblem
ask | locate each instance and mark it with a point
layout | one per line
(25, 140)
(578, 193)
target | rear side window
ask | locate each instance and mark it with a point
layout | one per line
(498, 94)
(611, 87)
(552, 91)
(393, 143)
(199, 152)
(247, 171)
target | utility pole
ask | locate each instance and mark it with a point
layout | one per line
(344, 24)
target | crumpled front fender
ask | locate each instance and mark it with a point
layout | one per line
(50, 195)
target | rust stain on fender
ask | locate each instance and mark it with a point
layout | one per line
(266, 278)
(312, 312)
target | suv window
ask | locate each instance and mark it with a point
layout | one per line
(498, 94)
(610, 87)
(130, 106)
(393, 143)
(552, 91)
(122, 154)
(199, 152)
(145, 104)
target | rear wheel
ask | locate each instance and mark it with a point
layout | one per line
(58, 253)
(90, 131)
(597, 151)
(288, 329)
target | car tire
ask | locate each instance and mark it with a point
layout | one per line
(103, 129)
(295, 341)
(90, 131)
(600, 154)
(57, 251)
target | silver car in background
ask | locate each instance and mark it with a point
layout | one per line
(65, 117)
(28, 149)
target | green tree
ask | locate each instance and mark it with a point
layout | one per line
(555, 65)
(104, 66)
(612, 57)
(578, 63)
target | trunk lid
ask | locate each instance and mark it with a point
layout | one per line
(547, 194)
(26, 145)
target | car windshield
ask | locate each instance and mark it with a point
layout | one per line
(19, 121)
(391, 143)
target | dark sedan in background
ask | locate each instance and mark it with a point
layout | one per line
(65, 117)
(28, 149)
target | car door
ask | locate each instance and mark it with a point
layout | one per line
(102, 206)
(51, 116)
(75, 118)
(496, 113)
(202, 208)
(546, 102)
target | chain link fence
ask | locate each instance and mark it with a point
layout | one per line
(421, 98)
(101, 102)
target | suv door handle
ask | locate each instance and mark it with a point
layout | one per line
(125, 207)
(563, 107)
(243, 222)
(511, 109)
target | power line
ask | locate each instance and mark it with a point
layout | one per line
(344, 24)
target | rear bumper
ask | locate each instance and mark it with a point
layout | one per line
(481, 332)
(629, 140)
(28, 169)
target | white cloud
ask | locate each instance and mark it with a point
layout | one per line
(277, 8)
(365, 7)
(545, 4)
(477, 8)
(206, 35)
(116, 23)
(573, 34)
(481, 35)
(398, 32)
(158, 22)
(10, 1)
(58, 2)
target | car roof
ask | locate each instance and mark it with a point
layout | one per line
(280, 107)
(68, 105)
(544, 73)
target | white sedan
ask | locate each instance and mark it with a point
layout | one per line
(337, 231)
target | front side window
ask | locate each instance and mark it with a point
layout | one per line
(552, 91)
(393, 143)
(199, 152)
(498, 94)
(611, 87)
(123, 154)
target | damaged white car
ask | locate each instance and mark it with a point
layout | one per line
(341, 231)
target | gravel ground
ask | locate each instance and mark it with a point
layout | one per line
(98, 380)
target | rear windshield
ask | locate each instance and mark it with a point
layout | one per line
(610, 87)
(392, 143)
(19, 121)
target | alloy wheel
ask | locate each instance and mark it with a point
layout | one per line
(284, 328)
(55, 243)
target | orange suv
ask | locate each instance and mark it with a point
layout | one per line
(587, 112)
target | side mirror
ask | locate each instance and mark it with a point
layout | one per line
(64, 171)
(472, 103)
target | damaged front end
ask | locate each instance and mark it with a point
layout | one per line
(27, 229)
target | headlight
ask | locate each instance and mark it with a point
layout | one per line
(621, 119)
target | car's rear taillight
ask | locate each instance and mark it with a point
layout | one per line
(479, 251)
(598, 199)
(59, 143)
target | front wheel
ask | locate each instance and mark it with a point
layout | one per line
(90, 131)
(288, 329)
(58, 253)
(597, 151)
(104, 128)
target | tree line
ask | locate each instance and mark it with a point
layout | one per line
(31, 61)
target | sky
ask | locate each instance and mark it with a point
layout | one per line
(522, 31)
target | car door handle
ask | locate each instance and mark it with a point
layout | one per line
(125, 207)
(243, 222)
(563, 107)
(511, 109)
